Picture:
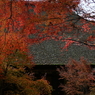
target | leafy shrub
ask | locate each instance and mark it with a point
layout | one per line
(79, 77)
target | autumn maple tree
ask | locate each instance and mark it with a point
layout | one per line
(79, 78)
(15, 27)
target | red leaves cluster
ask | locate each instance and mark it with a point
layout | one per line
(68, 41)
(91, 38)
(51, 16)
(86, 27)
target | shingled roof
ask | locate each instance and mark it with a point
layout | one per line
(50, 53)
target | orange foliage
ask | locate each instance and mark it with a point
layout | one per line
(9, 42)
